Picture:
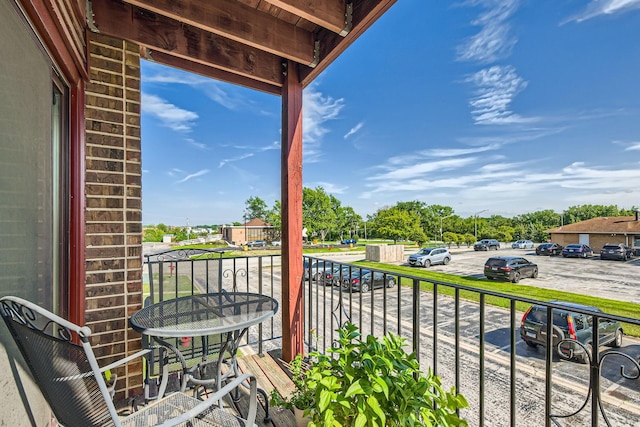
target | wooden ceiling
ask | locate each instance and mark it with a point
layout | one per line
(245, 42)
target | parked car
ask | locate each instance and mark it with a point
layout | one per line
(567, 324)
(522, 244)
(276, 243)
(332, 276)
(549, 249)
(511, 268)
(365, 280)
(348, 242)
(313, 269)
(616, 251)
(257, 244)
(577, 250)
(486, 245)
(430, 256)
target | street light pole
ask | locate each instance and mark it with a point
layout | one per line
(441, 218)
(475, 222)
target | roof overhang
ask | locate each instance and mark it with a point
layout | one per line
(244, 42)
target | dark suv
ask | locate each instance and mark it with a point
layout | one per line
(486, 245)
(510, 268)
(616, 251)
(567, 324)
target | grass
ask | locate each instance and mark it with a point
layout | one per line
(169, 285)
(619, 308)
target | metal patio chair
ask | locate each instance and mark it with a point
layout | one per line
(72, 382)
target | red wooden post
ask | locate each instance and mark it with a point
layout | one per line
(291, 187)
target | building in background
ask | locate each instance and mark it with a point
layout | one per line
(597, 232)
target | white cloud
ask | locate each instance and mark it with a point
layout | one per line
(219, 92)
(496, 88)
(234, 159)
(511, 186)
(420, 170)
(493, 41)
(329, 188)
(604, 7)
(198, 145)
(171, 116)
(318, 110)
(175, 172)
(633, 146)
(255, 150)
(193, 175)
(353, 130)
(453, 152)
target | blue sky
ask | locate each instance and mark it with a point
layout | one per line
(505, 105)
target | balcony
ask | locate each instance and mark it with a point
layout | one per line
(461, 333)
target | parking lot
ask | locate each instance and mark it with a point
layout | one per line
(617, 280)
(608, 279)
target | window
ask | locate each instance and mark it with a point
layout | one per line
(33, 168)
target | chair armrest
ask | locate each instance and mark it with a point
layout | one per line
(217, 396)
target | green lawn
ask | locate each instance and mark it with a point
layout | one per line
(169, 286)
(620, 308)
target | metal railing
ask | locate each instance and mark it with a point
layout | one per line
(174, 273)
(467, 336)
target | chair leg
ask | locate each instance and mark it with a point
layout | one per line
(263, 393)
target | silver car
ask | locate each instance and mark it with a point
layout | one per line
(430, 256)
(522, 244)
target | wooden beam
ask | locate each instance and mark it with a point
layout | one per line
(330, 14)
(239, 22)
(163, 34)
(365, 13)
(208, 71)
(291, 188)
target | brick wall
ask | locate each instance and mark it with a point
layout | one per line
(113, 203)
(596, 241)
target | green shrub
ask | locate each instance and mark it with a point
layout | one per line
(374, 382)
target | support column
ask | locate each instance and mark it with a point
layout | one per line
(291, 187)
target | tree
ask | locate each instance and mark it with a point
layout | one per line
(449, 238)
(153, 234)
(274, 218)
(469, 239)
(254, 208)
(317, 213)
(396, 224)
(347, 220)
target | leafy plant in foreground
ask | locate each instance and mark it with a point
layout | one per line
(375, 383)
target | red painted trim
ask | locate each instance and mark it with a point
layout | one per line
(48, 26)
(77, 230)
(291, 187)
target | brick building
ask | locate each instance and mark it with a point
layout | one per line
(256, 229)
(597, 232)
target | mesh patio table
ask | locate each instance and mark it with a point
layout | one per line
(225, 314)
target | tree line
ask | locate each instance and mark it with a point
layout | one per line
(327, 219)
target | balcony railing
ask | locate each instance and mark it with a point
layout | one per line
(467, 336)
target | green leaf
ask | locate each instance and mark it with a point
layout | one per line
(325, 399)
(375, 406)
(361, 420)
(355, 388)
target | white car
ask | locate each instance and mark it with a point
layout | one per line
(522, 244)
(430, 256)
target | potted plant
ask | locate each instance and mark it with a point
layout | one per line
(302, 399)
(373, 382)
